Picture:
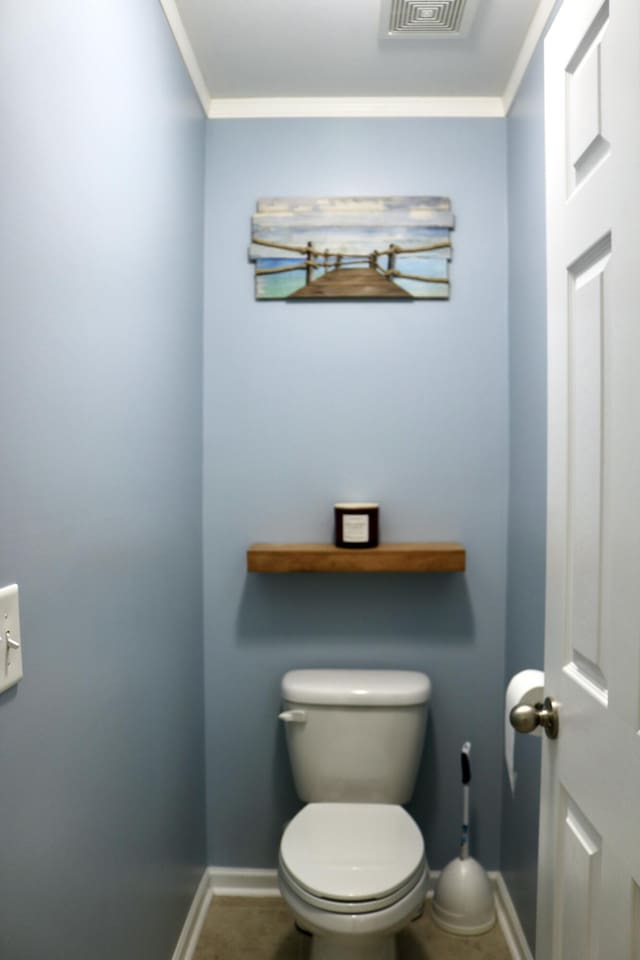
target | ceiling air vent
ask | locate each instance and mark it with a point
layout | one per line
(426, 19)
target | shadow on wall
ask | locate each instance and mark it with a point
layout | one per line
(362, 607)
(285, 797)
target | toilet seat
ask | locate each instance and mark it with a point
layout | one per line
(352, 857)
(350, 906)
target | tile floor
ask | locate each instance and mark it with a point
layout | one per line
(261, 928)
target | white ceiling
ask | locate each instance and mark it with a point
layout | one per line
(248, 56)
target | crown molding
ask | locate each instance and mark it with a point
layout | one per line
(174, 19)
(247, 108)
(235, 108)
(534, 33)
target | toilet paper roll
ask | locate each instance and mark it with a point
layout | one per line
(525, 687)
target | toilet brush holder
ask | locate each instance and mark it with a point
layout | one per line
(463, 900)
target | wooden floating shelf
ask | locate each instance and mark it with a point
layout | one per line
(325, 558)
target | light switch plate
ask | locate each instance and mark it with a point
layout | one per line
(10, 656)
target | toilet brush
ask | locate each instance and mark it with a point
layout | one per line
(463, 900)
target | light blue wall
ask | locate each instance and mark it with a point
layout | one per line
(527, 468)
(101, 183)
(101, 190)
(307, 403)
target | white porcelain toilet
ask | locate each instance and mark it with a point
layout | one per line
(352, 863)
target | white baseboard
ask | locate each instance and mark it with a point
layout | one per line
(509, 920)
(248, 882)
(243, 882)
(188, 939)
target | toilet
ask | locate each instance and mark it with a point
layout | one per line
(352, 863)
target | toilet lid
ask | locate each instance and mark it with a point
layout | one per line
(352, 851)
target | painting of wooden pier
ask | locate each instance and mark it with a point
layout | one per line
(352, 247)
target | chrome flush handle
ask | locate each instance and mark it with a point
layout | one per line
(293, 716)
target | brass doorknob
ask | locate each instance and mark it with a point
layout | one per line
(525, 718)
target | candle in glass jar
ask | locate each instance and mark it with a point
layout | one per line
(356, 524)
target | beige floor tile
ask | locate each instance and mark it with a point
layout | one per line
(251, 928)
(423, 940)
(245, 928)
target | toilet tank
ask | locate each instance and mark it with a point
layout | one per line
(355, 736)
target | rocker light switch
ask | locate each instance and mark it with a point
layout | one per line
(10, 642)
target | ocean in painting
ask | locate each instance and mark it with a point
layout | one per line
(347, 233)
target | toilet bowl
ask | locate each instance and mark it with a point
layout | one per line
(353, 874)
(352, 864)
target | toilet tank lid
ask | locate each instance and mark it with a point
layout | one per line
(365, 688)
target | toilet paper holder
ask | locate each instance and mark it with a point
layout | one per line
(525, 718)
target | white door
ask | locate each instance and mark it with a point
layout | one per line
(589, 880)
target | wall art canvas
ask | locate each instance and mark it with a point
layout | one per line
(360, 247)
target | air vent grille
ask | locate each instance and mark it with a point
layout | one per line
(427, 18)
